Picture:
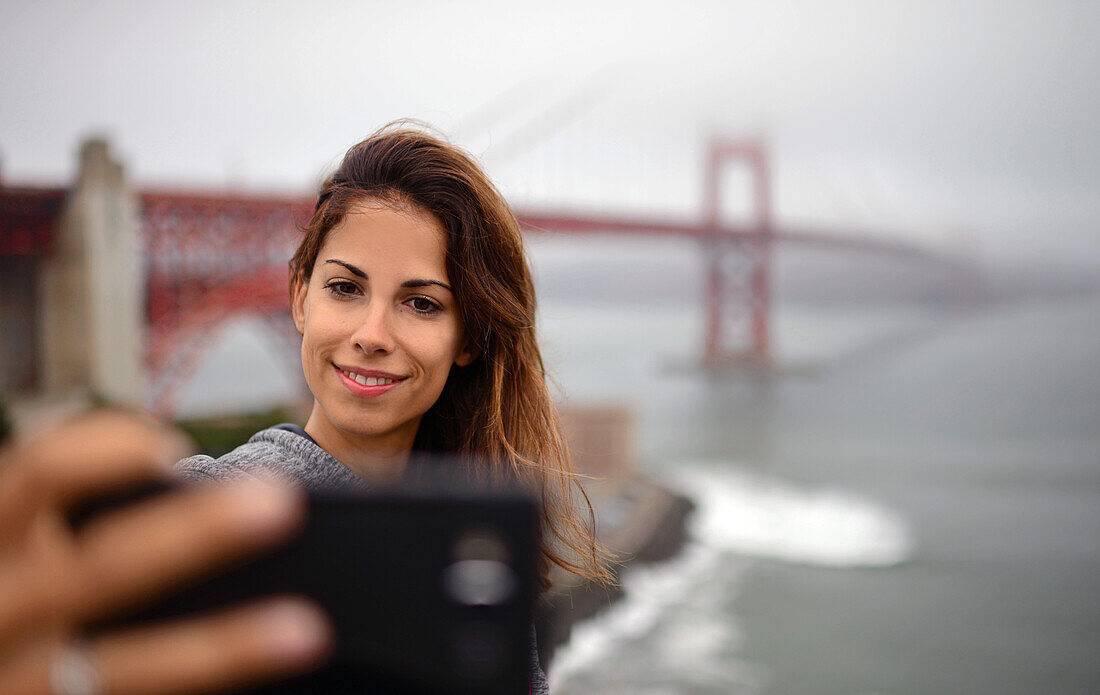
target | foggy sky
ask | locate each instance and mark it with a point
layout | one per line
(961, 123)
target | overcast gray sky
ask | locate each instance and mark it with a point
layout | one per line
(943, 121)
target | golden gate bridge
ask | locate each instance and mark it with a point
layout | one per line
(211, 258)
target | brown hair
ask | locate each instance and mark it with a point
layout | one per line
(498, 408)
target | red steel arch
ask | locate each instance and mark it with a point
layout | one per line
(209, 259)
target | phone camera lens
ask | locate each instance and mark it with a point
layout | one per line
(479, 582)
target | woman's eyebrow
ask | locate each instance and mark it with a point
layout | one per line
(423, 283)
(355, 270)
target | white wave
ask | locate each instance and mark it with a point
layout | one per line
(754, 515)
(648, 592)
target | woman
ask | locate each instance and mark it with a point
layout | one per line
(417, 313)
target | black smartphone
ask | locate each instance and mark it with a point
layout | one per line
(430, 589)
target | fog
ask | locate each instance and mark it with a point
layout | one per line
(965, 124)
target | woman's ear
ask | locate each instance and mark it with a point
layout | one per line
(468, 354)
(298, 290)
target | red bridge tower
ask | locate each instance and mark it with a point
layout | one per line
(739, 267)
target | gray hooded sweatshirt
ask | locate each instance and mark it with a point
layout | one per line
(288, 451)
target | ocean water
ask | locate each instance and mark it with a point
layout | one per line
(919, 513)
(911, 506)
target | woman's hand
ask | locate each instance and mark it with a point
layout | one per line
(54, 580)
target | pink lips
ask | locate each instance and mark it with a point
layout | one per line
(364, 391)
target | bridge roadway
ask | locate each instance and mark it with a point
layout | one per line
(567, 222)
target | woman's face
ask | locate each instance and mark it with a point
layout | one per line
(380, 327)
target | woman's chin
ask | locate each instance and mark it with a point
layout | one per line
(365, 433)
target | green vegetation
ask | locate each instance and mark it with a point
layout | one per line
(217, 436)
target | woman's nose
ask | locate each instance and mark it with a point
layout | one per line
(374, 333)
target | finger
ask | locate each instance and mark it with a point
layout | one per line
(278, 637)
(132, 554)
(93, 454)
(245, 644)
(36, 582)
(25, 667)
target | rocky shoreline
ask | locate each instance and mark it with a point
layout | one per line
(640, 521)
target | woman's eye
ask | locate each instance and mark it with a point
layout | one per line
(423, 305)
(342, 289)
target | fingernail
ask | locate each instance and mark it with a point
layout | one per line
(294, 629)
